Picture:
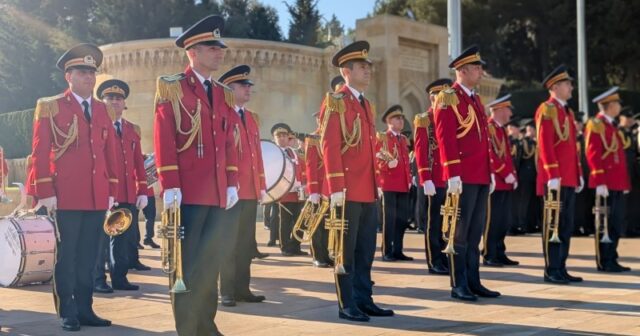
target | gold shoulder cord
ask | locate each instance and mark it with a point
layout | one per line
(498, 148)
(527, 152)
(334, 103)
(447, 97)
(626, 141)
(597, 126)
(62, 140)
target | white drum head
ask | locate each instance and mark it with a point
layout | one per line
(10, 252)
(273, 160)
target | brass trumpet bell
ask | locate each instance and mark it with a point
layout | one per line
(117, 222)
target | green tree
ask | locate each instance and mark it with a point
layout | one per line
(331, 29)
(305, 22)
(236, 12)
(263, 23)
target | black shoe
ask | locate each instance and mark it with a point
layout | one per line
(388, 258)
(140, 247)
(260, 255)
(372, 309)
(439, 269)
(149, 242)
(70, 324)
(403, 257)
(250, 298)
(570, 277)
(141, 267)
(420, 230)
(320, 264)
(463, 293)
(102, 288)
(271, 243)
(508, 262)
(555, 279)
(623, 268)
(228, 301)
(287, 254)
(353, 314)
(300, 253)
(483, 291)
(492, 263)
(125, 285)
(93, 320)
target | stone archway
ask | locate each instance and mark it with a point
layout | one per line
(412, 101)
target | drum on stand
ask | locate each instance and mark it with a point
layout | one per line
(279, 171)
(27, 250)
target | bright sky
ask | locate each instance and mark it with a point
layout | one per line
(347, 11)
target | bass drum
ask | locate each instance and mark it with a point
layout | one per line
(279, 171)
(27, 246)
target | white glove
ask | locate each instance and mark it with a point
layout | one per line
(554, 184)
(625, 192)
(380, 193)
(515, 185)
(296, 185)
(263, 196)
(581, 186)
(492, 185)
(51, 203)
(510, 179)
(393, 163)
(429, 188)
(232, 197)
(112, 203)
(169, 195)
(602, 190)
(141, 202)
(337, 198)
(455, 185)
(314, 198)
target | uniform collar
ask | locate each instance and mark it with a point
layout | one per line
(355, 92)
(80, 99)
(607, 118)
(201, 78)
(466, 90)
(562, 102)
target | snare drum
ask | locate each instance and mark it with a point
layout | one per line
(27, 247)
(279, 171)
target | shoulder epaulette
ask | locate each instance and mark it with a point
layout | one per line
(47, 107)
(595, 125)
(373, 110)
(228, 94)
(549, 111)
(492, 129)
(334, 102)
(381, 136)
(169, 88)
(421, 120)
(312, 141)
(136, 128)
(447, 97)
(256, 118)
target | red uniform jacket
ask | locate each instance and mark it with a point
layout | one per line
(5, 170)
(605, 155)
(298, 161)
(203, 179)
(29, 184)
(250, 167)
(557, 148)
(464, 147)
(80, 171)
(349, 166)
(426, 150)
(316, 181)
(151, 192)
(501, 159)
(399, 178)
(132, 178)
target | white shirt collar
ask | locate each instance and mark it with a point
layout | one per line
(237, 108)
(355, 92)
(202, 78)
(608, 117)
(562, 102)
(466, 90)
(497, 122)
(80, 99)
(394, 133)
(118, 120)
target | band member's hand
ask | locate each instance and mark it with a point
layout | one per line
(51, 203)
(393, 163)
(168, 198)
(141, 202)
(554, 184)
(429, 188)
(314, 198)
(263, 196)
(454, 185)
(112, 202)
(232, 197)
(510, 179)
(626, 192)
(581, 186)
(602, 190)
(380, 193)
(492, 184)
(337, 198)
(515, 185)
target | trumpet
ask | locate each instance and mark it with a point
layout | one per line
(601, 214)
(551, 216)
(117, 222)
(172, 233)
(337, 226)
(150, 168)
(450, 212)
(309, 220)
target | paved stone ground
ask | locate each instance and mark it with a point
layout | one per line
(301, 299)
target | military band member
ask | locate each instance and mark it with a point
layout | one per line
(74, 141)
(290, 204)
(430, 177)
(499, 218)
(348, 144)
(461, 134)
(629, 133)
(558, 169)
(149, 213)
(392, 154)
(197, 165)
(132, 187)
(235, 274)
(528, 206)
(609, 176)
